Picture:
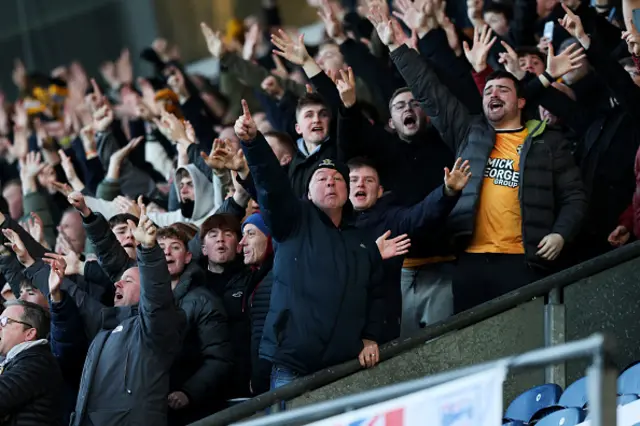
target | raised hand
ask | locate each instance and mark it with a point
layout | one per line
(550, 246)
(381, 22)
(76, 199)
(35, 227)
(293, 51)
(347, 87)
(145, 231)
(482, 43)
(173, 128)
(573, 24)
(332, 23)
(222, 156)
(456, 179)
(510, 61)
(31, 166)
(56, 274)
(398, 246)
(413, 14)
(245, 127)
(102, 118)
(214, 41)
(124, 69)
(125, 205)
(17, 246)
(124, 152)
(570, 59)
(70, 171)
(632, 37)
(62, 188)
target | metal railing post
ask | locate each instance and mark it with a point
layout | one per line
(555, 334)
(602, 390)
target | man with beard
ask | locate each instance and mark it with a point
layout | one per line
(409, 162)
(525, 197)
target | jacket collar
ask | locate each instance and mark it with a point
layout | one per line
(20, 347)
(112, 317)
(190, 275)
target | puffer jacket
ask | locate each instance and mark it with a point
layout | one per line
(31, 388)
(205, 360)
(551, 194)
(327, 293)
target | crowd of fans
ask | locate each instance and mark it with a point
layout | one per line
(171, 244)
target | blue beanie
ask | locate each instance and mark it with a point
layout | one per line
(257, 220)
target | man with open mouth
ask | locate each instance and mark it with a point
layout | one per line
(525, 198)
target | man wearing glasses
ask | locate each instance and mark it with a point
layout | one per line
(30, 379)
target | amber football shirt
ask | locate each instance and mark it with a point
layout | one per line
(498, 227)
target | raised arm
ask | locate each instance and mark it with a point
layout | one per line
(112, 256)
(162, 322)
(448, 115)
(278, 204)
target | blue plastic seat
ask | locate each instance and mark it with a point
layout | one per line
(528, 403)
(625, 399)
(629, 380)
(575, 395)
(566, 417)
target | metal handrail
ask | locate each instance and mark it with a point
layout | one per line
(465, 319)
(594, 347)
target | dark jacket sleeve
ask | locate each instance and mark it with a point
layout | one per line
(449, 116)
(68, 341)
(375, 300)
(571, 199)
(617, 79)
(22, 383)
(89, 308)
(452, 71)
(112, 256)
(162, 322)
(428, 213)
(194, 111)
(357, 137)
(215, 348)
(371, 70)
(133, 181)
(35, 249)
(279, 206)
(12, 269)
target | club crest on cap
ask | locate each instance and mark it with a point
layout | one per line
(327, 162)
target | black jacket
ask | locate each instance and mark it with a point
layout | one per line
(426, 218)
(205, 359)
(552, 198)
(31, 389)
(327, 294)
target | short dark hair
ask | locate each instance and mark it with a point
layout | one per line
(357, 162)
(34, 315)
(496, 7)
(284, 139)
(189, 229)
(396, 93)
(122, 218)
(173, 233)
(309, 99)
(529, 50)
(505, 74)
(223, 221)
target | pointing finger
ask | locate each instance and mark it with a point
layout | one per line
(245, 109)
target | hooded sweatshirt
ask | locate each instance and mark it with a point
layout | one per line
(208, 198)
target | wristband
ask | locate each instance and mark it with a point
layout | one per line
(548, 77)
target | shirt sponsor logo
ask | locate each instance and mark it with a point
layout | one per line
(118, 329)
(502, 172)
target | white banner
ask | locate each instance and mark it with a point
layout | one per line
(474, 400)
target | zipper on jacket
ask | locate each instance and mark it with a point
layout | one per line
(126, 370)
